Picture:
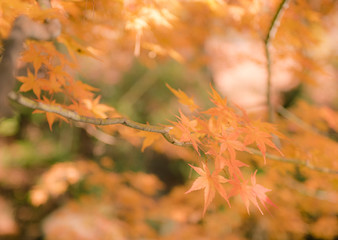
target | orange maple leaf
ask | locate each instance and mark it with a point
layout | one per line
(97, 108)
(183, 98)
(230, 143)
(261, 138)
(251, 194)
(149, 138)
(221, 110)
(188, 130)
(30, 83)
(211, 183)
(80, 90)
(51, 117)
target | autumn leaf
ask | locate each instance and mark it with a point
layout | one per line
(188, 130)
(251, 194)
(261, 138)
(30, 83)
(97, 108)
(210, 182)
(149, 138)
(80, 90)
(221, 109)
(33, 55)
(51, 117)
(183, 98)
(229, 142)
(259, 192)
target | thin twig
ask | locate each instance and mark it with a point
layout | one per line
(98, 134)
(293, 161)
(292, 117)
(270, 35)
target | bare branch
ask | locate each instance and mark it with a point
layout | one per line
(270, 35)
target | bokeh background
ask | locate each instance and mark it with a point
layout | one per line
(80, 182)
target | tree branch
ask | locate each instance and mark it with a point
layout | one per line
(293, 161)
(270, 35)
(79, 118)
(140, 126)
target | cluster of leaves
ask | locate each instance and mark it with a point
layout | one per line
(224, 138)
(218, 134)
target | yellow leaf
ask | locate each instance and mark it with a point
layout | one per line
(183, 98)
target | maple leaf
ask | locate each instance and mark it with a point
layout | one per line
(221, 109)
(221, 162)
(49, 115)
(230, 143)
(30, 83)
(149, 138)
(211, 183)
(183, 98)
(251, 194)
(261, 138)
(32, 54)
(259, 192)
(188, 130)
(57, 72)
(97, 108)
(80, 90)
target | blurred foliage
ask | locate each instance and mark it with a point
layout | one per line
(80, 182)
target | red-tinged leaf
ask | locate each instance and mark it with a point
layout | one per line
(188, 130)
(251, 194)
(183, 98)
(230, 143)
(211, 183)
(221, 110)
(221, 162)
(260, 192)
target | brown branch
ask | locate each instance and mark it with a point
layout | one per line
(270, 35)
(79, 118)
(144, 127)
(23, 28)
